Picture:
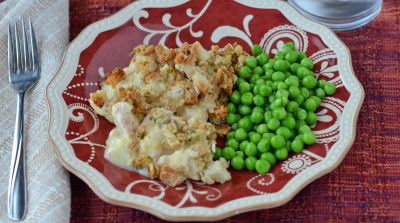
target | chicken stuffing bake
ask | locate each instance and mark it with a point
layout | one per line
(168, 106)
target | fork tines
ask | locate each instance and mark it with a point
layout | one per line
(17, 62)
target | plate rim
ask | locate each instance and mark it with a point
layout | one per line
(200, 213)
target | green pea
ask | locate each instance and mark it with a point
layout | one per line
(268, 136)
(294, 91)
(265, 90)
(329, 88)
(300, 123)
(269, 65)
(293, 68)
(289, 122)
(308, 138)
(309, 82)
(282, 93)
(256, 89)
(281, 85)
(281, 65)
(292, 81)
(311, 118)
(263, 145)
(239, 81)
(297, 146)
(240, 134)
(281, 154)
(273, 124)
(287, 74)
(319, 92)
(271, 98)
(285, 101)
(256, 117)
(243, 145)
(262, 59)
(244, 72)
(286, 50)
(258, 109)
(301, 56)
(291, 56)
(251, 149)
(218, 153)
(290, 45)
(244, 110)
(305, 92)
(244, 87)
(247, 98)
(228, 153)
(235, 97)
(268, 73)
(277, 103)
(292, 106)
(258, 70)
(310, 105)
(245, 123)
(256, 49)
(299, 99)
(240, 153)
(301, 114)
(231, 108)
(262, 128)
(270, 157)
(232, 143)
(251, 133)
(321, 83)
(284, 131)
(278, 76)
(267, 116)
(250, 163)
(231, 135)
(298, 137)
(231, 118)
(279, 113)
(280, 56)
(262, 166)
(317, 100)
(287, 146)
(254, 78)
(259, 82)
(310, 73)
(234, 126)
(251, 62)
(307, 63)
(237, 162)
(302, 72)
(304, 128)
(277, 141)
(258, 100)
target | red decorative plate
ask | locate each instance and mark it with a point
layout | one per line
(79, 134)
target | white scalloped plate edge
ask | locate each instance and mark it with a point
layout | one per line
(102, 187)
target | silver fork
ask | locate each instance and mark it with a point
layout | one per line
(22, 76)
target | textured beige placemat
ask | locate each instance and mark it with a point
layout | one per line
(47, 181)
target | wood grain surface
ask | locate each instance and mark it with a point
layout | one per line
(366, 185)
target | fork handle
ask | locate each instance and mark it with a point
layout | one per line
(17, 183)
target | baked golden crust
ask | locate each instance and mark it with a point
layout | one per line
(169, 106)
(114, 77)
(222, 130)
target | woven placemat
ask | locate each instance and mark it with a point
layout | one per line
(366, 185)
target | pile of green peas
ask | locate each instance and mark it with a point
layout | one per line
(272, 108)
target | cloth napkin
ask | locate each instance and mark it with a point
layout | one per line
(47, 181)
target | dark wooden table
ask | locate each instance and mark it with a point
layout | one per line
(366, 185)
